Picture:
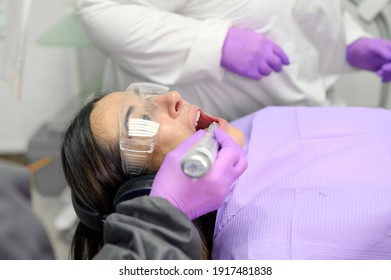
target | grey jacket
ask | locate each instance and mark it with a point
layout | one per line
(147, 228)
(22, 236)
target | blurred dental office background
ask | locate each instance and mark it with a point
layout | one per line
(48, 68)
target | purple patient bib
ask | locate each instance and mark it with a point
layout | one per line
(318, 186)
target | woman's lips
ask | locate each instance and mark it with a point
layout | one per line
(205, 120)
(222, 123)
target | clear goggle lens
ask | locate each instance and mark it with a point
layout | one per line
(139, 121)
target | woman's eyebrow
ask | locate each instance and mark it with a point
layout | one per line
(146, 117)
(128, 112)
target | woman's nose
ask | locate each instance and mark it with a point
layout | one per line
(173, 101)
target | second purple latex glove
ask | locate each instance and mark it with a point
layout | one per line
(371, 54)
(196, 197)
(251, 54)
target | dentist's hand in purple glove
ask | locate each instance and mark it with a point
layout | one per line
(196, 197)
(371, 54)
(251, 54)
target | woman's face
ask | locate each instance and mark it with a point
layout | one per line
(178, 122)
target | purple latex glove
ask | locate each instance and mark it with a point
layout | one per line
(251, 54)
(196, 197)
(385, 72)
(371, 54)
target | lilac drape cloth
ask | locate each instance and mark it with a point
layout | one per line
(318, 186)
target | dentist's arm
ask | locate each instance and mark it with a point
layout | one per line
(371, 54)
(251, 54)
(154, 41)
(365, 52)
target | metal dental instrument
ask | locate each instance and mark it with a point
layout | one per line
(200, 158)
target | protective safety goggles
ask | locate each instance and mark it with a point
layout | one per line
(139, 121)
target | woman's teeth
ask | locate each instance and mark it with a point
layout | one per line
(197, 118)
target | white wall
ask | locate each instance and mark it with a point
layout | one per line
(50, 79)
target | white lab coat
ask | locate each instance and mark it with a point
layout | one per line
(178, 43)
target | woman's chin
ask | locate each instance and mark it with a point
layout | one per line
(236, 134)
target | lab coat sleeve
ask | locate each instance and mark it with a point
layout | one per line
(353, 29)
(155, 43)
(149, 228)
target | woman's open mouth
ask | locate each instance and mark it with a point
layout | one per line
(203, 121)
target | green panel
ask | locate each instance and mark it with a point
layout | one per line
(67, 33)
